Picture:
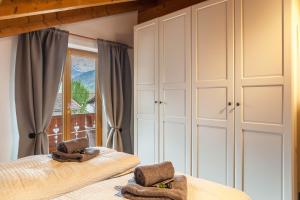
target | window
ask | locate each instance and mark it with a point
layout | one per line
(78, 111)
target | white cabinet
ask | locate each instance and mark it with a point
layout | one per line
(215, 93)
(163, 90)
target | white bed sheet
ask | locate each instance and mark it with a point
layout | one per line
(197, 189)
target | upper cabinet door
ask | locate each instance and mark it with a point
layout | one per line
(263, 157)
(175, 89)
(146, 91)
(213, 91)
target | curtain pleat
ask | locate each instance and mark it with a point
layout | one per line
(39, 67)
(115, 83)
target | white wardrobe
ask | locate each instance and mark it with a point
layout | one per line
(163, 90)
(215, 88)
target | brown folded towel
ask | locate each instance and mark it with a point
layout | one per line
(137, 192)
(73, 146)
(152, 174)
(75, 157)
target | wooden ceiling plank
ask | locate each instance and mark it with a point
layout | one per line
(163, 7)
(17, 26)
(16, 9)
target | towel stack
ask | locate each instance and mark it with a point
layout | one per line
(156, 182)
(74, 151)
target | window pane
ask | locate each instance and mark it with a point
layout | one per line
(55, 128)
(83, 102)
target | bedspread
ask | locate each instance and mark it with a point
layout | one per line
(40, 177)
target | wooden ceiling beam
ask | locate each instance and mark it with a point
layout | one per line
(163, 7)
(10, 9)
(20, 25)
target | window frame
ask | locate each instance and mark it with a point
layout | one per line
(67, 96)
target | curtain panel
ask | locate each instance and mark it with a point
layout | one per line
(115, 83)
(39, 66)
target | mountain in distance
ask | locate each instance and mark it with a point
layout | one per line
(83, 64)
(76, 73)
(87, 78)
(83, 69)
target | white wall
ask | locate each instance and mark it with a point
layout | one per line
(8, 125)
(115, 28)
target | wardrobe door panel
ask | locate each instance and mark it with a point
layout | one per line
(174, 97)
(146, 59)
(263, 180)
(174, 148)
(145, 103)
(262, 85)
(146, 92)
(212, 103)
(174, 49)
(213, 91)
(263, 104)
(175, 86)
(262, 37)
(212, 43)
(146, 140)
(212, 141)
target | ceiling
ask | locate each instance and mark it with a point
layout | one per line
(21, 16)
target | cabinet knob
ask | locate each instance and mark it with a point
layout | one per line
(238, 104)
(229, 103)
(155, 102)
(161, 102)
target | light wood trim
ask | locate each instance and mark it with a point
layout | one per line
(67, 97)
(99, 124)
(15, 9)
(83, 53)
(20, 25)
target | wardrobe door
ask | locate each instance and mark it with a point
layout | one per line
(146, 91)
(263, 134)
(175, 89)
(212, 91)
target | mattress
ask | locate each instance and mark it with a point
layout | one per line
(197, 189)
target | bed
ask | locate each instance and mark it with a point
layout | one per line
(40, 177)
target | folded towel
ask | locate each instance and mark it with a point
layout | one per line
(73, 146)
(75, 157)
(137, 192)
(152, 174)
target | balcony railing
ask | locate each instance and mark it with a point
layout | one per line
(83, 125)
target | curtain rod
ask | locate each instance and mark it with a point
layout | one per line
(91, 38)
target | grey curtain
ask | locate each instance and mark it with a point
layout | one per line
(116, 89)
(39, 66)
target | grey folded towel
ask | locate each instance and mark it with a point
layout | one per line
(137, 192)
(75, 157)
(73, 146)
(151, 174)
